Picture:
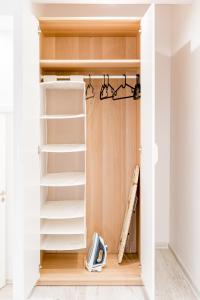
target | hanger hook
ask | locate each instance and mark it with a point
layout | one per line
(124, 79)
(104, 79)
(89, 79)
(137, 78)
(108, 79)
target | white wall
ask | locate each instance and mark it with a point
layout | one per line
(185, 140)
(6, 63)
(9, 197)
(6, 106)
(162, 135)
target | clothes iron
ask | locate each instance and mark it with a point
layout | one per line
(97, 254)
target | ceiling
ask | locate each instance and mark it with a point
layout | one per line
(114, 1)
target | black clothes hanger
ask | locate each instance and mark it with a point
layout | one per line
(110, 94)
(107, 90)
(89, 89)
(104, 89)
(123, 86)
(137, 88)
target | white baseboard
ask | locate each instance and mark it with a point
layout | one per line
(196, 291)
(161, 245)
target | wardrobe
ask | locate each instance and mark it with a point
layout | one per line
(90, 176)
(80, 152)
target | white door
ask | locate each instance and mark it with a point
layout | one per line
(6, 96)
(147, 148)
(27, 166)
(2, 198)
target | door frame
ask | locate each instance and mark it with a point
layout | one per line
(3, 200)
(6, 109)
(148, 150)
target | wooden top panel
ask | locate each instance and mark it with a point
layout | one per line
(85, 27)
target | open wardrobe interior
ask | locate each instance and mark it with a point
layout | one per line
(89, 146)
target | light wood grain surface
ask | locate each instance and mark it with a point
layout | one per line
(112, 148)
(171, 284)
(69, 269)
(81, 27)
(112, 137)
(111, 157)
(88, 65)
(128, 214)
(88, 47)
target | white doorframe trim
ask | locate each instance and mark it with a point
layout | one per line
(2, 200)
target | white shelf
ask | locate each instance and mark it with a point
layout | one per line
(64, 85)
(70, 226)
(67, 209)
(62, 242)
(63, 179)
(63, 148)
(61, 117)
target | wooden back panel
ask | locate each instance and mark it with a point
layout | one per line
(89, 47)
(111, 157)
(112, 134)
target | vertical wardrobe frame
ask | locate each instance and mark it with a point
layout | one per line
(81, 46)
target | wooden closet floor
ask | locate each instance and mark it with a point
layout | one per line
(69, 269)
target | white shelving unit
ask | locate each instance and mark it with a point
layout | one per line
(63, 222)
